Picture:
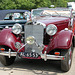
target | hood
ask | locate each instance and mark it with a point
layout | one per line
(52, 20)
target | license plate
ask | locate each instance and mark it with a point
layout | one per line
(28, 54)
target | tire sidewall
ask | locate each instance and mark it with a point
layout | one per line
(65, 66)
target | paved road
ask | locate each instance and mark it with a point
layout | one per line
(36, 67)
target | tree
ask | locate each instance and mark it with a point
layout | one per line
(7, 4)
(61, 3)
(43, 3)
(24, 4)
(30, 4)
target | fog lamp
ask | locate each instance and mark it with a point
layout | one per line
(30, 40)
(17, 45)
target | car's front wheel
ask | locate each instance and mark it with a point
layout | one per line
(5, 60)
(66, 63)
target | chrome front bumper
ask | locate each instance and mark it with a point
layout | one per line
(43, 56)
(8, 53)
(52, 57)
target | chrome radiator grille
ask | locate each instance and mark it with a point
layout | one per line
(36, 31)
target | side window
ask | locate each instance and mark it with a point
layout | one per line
(7, 17)
(17, 16)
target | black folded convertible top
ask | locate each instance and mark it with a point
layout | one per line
(3, 13)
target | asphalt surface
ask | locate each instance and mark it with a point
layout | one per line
(36, 67)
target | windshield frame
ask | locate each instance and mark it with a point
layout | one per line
(54, 9)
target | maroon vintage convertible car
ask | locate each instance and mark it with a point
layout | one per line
(48, 35)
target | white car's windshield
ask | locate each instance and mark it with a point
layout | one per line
(51, 12)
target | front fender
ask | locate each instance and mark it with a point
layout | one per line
(62, 40)
(7, 38)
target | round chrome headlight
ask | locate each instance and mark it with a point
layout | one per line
(30, 40)
(17, 28)
(51, 29)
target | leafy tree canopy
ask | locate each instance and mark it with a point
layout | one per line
(30, 4)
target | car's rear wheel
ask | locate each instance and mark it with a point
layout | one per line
(66, 63)
(5, 60)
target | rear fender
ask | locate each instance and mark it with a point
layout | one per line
(62, 40)
(7, 38)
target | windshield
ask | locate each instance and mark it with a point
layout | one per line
(50, 12)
